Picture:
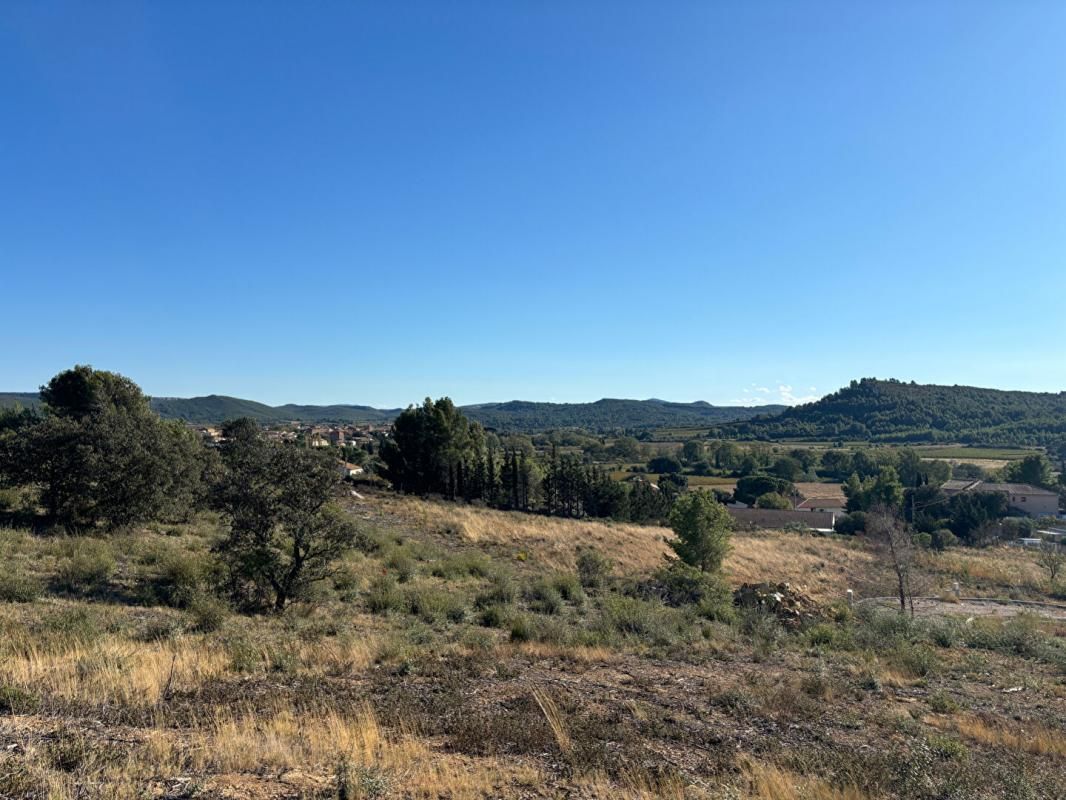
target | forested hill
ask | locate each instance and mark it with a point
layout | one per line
(892, 411)
(23, 399)
(608, 415)
(515, 416)
(217, 408)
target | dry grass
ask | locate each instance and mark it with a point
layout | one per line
(578, 654)
(989, 568)
(768, 782)
(112, 670)
(1034, 739)
(824, 567)
(555, 720)
(552, 541)
(833, 490)
(239, 750)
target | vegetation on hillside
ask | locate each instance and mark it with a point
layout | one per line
(893, 411)
(181, 621)
(607, 415)
(430, 665)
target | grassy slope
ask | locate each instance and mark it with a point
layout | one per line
(109, 694)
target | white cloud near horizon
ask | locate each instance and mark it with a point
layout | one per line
(785, 395)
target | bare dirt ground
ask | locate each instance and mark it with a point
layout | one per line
(974, 607)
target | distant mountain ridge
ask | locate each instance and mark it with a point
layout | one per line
(218, 408)
(609, 414)
(894, 411)
(517, 416)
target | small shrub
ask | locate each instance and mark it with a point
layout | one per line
(943, 632)
(180, 579)
(18, 587)
(569, 588)
(643, 618)
(816, 686)
(869, 681)
(88, 567)
(495, 616)
(948, 748)
(434, 605)
(14, 700)
(543, 598)
(208, 612)
(500, 591)
(823, 634)
(916, 659)
(765, 631)
(402, 564)
(460, 566)
(384, 596)
(679, 584)
(943, 538)
(361, 783)
(593, 568)
(521, 629)
(735, 700)
(942, 703)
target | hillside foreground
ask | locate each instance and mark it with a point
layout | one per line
(457, 655)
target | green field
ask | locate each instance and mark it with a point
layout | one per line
(961, 453)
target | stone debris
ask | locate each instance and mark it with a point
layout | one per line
(786, 602)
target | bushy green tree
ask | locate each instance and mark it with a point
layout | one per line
(788, 468)
(703, 528)
(773, 500)
(284, 529)
(751, 487)
(430, 446)
(664, 464)
(692, 451)
(100, 456)
(1035, 470)
(884, 490)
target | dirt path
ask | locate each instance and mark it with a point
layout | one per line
(977, 607)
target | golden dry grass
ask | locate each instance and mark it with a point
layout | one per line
(553, 541)
(834, 490)
(769, 782)
(1034, 739)
(111, 670)
(239, 752)
(988, 568)
(823, 567)
(116, 671)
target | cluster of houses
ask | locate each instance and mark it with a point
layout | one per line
(313, 436)
(339, 436)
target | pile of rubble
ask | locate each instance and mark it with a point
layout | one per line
(785, 601)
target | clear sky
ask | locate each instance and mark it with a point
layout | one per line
(373, 202)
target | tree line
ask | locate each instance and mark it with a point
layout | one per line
(434, 449)
(96, 459)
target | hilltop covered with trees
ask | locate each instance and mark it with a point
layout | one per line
(608, 415)
(516, 416)
(892, 411)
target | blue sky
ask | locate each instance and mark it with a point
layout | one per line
(374, 202)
